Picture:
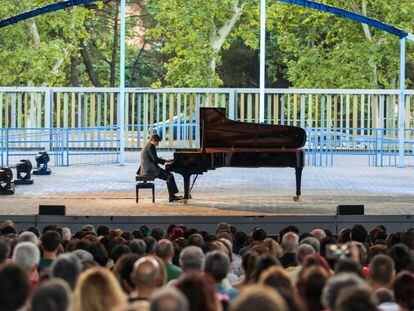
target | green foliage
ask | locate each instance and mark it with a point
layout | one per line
(324, 51)
(24, 61)
(185, 31)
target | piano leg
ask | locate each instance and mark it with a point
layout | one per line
(298, 171)
(186, 186)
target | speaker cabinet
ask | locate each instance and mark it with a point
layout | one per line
(52, 209)
(350, 210)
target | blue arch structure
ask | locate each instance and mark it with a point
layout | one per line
(401, 34)
(43, 10)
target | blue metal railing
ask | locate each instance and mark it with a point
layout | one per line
(65, 146)
(324, 146)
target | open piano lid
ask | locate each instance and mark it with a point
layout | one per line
(217, 131)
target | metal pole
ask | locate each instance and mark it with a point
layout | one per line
(262, 59)
(122, 87)
(401, 106)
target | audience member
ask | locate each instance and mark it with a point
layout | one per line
(169, 299)
(66, 267)
(14, 287)
(192, 259)
(404, 290)
(97, 290)
(50, 242)
(199, 290)
(165, 251)
(259, 297)
(26, 255)
(147, 278)
(290, 245)
(52, 295)
(381, 272)
(356, 298)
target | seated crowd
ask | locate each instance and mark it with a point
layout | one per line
(185, 269)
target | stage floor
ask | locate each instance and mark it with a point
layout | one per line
(110, 190)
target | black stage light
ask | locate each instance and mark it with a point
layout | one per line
(42, 159)
(24, 173)
(6, 183)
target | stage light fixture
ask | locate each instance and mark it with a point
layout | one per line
(6, 181)
(42, 159)
(24, 172)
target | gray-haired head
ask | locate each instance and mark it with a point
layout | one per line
(27, 236)
(290, 242)
(82, 255)
(335, 284)
(138, 247)
(26, 255)
(217, 264)
(66, 267)
(314, 242)
(303, 251)
(169, 299)
(192, 258)
(52, 295)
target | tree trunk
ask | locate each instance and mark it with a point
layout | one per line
(115, 46)
(368, 35)
(218, 38)
(74, 76)
(89, 67)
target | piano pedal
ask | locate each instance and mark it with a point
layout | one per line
(296, 198)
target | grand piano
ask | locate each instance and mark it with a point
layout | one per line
(228, 143)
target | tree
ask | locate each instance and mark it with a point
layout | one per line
(323, 51)
(194, 33)
(38, 51)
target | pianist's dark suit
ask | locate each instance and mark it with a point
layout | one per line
(149, 166)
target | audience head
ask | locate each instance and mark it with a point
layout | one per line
(192, 259)
(169, 299)
(407, 238)
(356, 298)
(27, 236)
(303, 251)
(382, 271)
(274, 247)
(157, 233)
(217, 264)
(50, 241)
(318, 233)
(151, 243)
(138, 247)
(97, 289)
(4, 251)
(402, 256)
(263, 263)
(66, 267)
(259, 297)
(311, 282)
(118, 251)
(27, 256)
(358, 234)
(165, 250)
(52, 295)
(14, 287)
(312, 242)
(102, 230)
(335, 284)
(404, 290)
(199, 290)
(147, 273)
(258, 234)
(290, 242)
(123, 271)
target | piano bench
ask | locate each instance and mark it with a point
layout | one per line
(144, 182)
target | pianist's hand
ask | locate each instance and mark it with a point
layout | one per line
(169, 161)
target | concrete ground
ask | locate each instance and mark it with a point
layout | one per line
(109, 190)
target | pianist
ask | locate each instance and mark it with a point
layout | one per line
(149, 166)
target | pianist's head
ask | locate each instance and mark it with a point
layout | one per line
(155, 139)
